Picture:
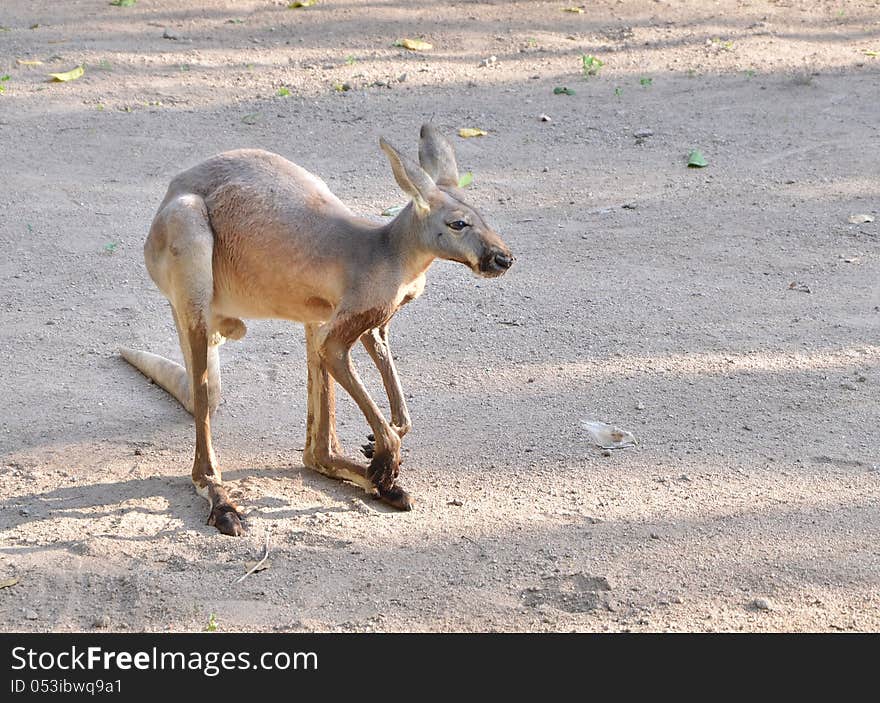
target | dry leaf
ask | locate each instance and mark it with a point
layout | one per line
(8, 582)
(255, 566)
(577, 10)
(413, 44)
(607, 436)
(467, 132)
(860, 219)
(28, 62)
(70, 75)
(302, 3)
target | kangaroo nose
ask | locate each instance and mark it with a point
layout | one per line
(503, 261)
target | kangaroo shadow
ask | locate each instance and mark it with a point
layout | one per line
(184, 509)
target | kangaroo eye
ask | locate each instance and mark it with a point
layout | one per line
(458, 225)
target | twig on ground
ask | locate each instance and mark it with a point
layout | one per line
(262, 561)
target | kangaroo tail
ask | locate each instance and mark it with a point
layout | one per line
(164, 372)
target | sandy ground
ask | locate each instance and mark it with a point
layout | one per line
(645, 293)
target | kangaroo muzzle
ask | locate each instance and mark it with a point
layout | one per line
(495, 262)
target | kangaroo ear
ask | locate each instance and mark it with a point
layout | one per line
(437, 157)
(410, 177)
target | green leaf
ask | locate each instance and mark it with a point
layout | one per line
(3, 79)
(465, 179)
(123, 3)
(110, 247)
(70, 75)
(696, 159)
(645, 82)
(212, 623)
(283, 92)
(392, 211)
(592, 65)
(563, 91)
(873, 54)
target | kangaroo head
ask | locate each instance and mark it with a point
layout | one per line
(445, 223)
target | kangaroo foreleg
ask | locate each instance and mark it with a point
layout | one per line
(335, 351)
(376, 343)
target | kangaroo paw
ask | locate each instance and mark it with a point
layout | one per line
(369, 449)
(383, 470)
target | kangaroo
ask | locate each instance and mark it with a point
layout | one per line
(248, 234)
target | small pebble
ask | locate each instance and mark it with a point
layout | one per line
(31, 614)
(101, 622)
(762, 604)
(643, 134)
(544, 118)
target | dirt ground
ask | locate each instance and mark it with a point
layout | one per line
(645, 293)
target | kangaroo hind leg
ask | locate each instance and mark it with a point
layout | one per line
(186, 275)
